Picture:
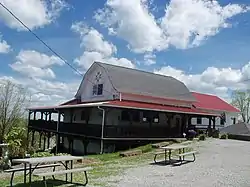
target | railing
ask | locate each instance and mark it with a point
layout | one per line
(139, 132)
(110, 131)
(67, 128)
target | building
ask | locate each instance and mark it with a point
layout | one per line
(214, 104)
(116, 107)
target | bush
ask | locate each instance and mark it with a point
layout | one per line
(224, 136)
(17, 141)
(216, 134)
(41, 154)
(202, 137)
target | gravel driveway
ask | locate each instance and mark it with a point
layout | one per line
(219, 163)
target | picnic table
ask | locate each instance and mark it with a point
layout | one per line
(30, 164)
(170, 148)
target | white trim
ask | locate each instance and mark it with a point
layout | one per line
(117, 106)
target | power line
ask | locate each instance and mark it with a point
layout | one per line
(44, 43)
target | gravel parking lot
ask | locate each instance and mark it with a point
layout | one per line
(219, 163)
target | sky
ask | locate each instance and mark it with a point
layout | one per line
(203, 43)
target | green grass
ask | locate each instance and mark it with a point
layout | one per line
(104, 167)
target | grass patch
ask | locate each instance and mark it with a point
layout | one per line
(104, 167)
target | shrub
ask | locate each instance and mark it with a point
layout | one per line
(224, 136)
(216, 134)
(41, 154)
(17, 141)
(202, 137)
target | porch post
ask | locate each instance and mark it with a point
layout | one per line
(48, 140)
(214, 123)
(28, 133)
(32, 138)
(40, 140)
(44, 141)
(34, 116)
(102, 132)
(42, 115)
(57, 131)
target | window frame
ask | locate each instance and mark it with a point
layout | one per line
(97, 90)
(199, 120)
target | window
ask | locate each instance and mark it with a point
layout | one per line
(97, 89)
(222, 121)
(150, 117)
(199, 120)
(83, 115)
(125, 116)
(234, 120)
(135, 116)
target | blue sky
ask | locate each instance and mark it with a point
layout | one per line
(203, 43)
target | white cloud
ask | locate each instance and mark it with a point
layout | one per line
(33, 13)
(96, 48)
(149, 59)
(189, 22)
(34, 64)
(186, 23)
(213, 80)
(92, 40)
(4, 46)
(132, 21)
(45, 92)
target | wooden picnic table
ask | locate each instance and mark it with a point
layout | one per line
(170, 148)
(64, 160)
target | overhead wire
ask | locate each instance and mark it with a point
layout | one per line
(45, 44)
(59, 56)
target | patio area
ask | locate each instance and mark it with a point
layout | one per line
(220, 163)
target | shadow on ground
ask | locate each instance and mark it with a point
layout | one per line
(172, 163)
(50, 182)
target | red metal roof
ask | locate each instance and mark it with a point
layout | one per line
(157, 107)
(212, 102)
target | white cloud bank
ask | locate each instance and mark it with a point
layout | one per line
(34, 64)
(185, 24)
(34, 13)
(96, 48)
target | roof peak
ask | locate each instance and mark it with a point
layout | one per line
(134, 69)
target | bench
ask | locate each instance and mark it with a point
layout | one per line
(61, 172)
(182, 155)
(158, 153)
(13, 170)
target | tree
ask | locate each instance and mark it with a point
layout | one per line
(241, 100)
(13, 101)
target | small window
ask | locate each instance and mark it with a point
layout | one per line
(83, 117)
(74, 117)
(136, 116)
(100, 89)
(97, 89)
(199, 120)
(222, 121)
(155, 117)
(125, 116)
(234, 120)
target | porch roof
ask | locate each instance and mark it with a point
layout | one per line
(158, 107)
(131, 105)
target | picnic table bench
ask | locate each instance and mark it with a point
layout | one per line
(61, 172)
(170, 148)
(30, 164)
(14, 170)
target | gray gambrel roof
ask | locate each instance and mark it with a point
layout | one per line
(135, 81)
(240, 128)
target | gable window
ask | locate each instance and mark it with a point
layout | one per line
(97, 89)
(199, 120)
